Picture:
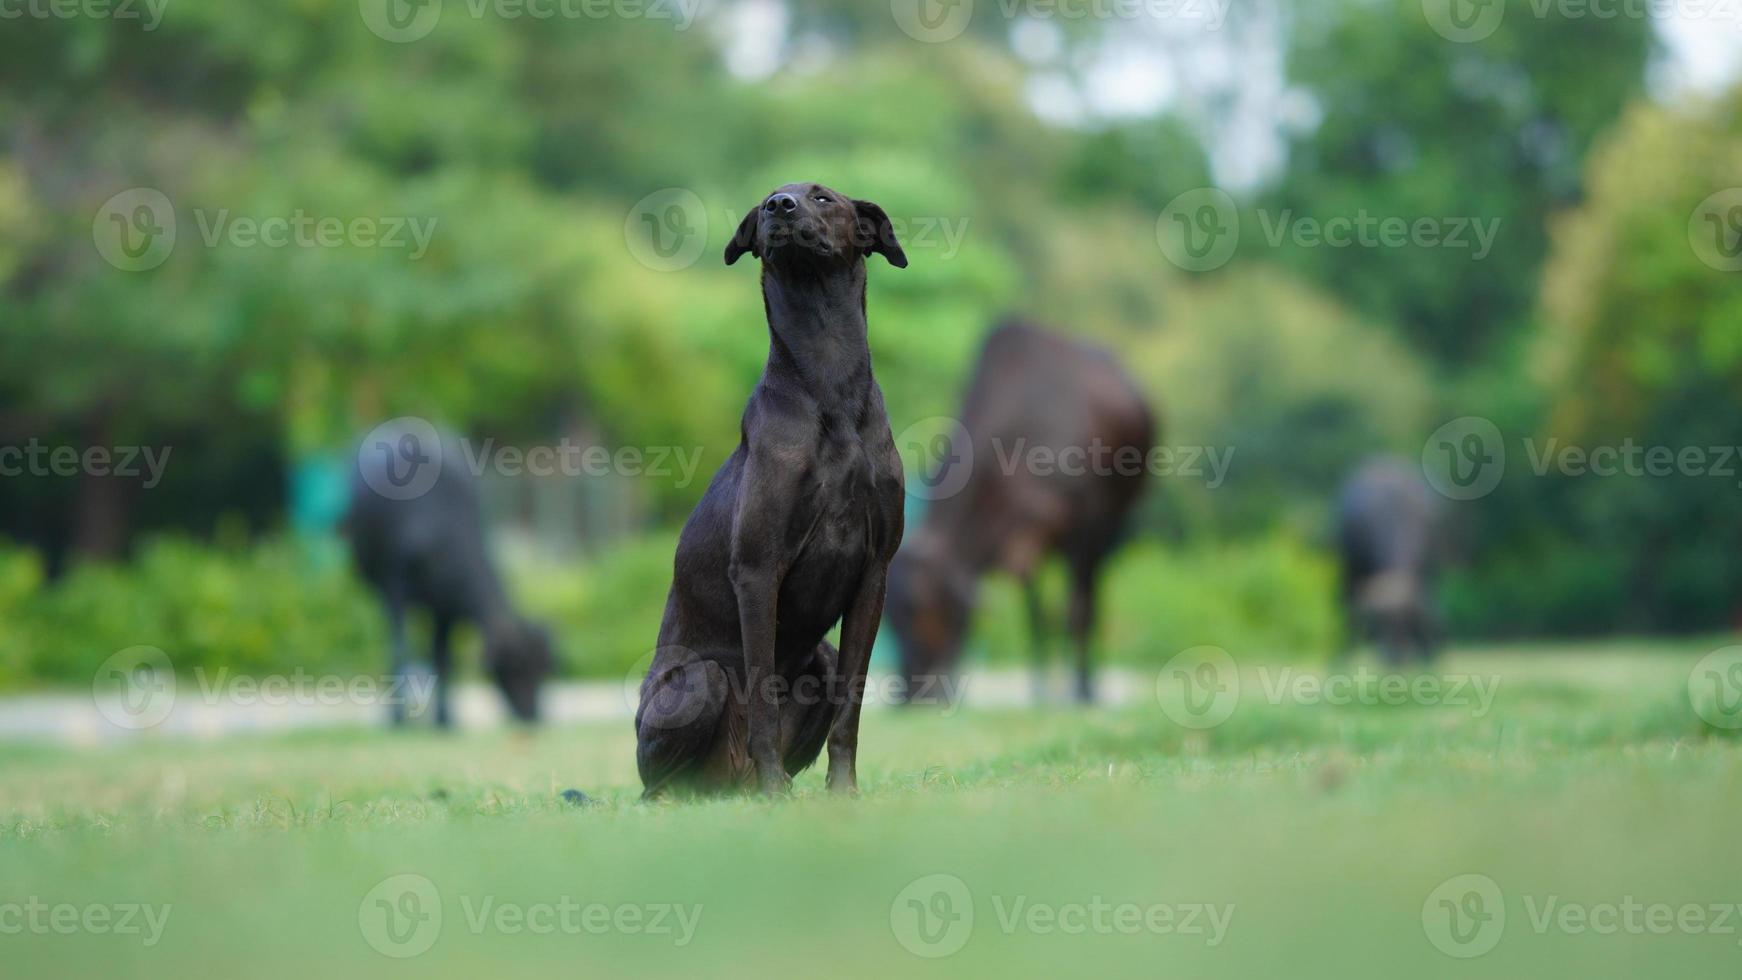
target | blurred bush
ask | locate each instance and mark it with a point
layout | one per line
(276, 607)
(1269, 598)
(262, 608)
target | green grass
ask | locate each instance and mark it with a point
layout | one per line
(1325, 828)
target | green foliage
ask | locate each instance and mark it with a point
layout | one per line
(1633, 316)
(1268, 599)
(1291, 384)
(1414, 125)
(268, 608)
(604, 612)
(1636, 345)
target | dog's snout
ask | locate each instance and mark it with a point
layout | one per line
(782, 203)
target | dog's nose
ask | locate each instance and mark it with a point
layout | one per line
(782, 203)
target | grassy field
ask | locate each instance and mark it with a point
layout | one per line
(1296, 838)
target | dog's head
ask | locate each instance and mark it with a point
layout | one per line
(812, 224)
(519, 659)
(927, 604)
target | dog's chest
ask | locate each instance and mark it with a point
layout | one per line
(846, 511)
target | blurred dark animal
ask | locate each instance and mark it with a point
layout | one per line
(794, 533)
(1038, 403)
(1389, 538)
(428, 550)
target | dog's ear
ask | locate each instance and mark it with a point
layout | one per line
(744, 239)
(876, 234)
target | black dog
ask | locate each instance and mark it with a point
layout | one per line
(795, 532)
(427, 549)
(1390, 538)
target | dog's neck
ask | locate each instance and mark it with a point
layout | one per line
(817, 334)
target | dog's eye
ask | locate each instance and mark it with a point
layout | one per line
(822, 199)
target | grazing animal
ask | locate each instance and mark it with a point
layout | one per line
(1058, 448)
(1389, 539)
(428, 550)
(794, 533)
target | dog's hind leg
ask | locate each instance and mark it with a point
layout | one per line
(679, 723)
(805, 719)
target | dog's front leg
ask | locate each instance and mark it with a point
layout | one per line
(757, 588)
(858, 634)
(757, 568)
